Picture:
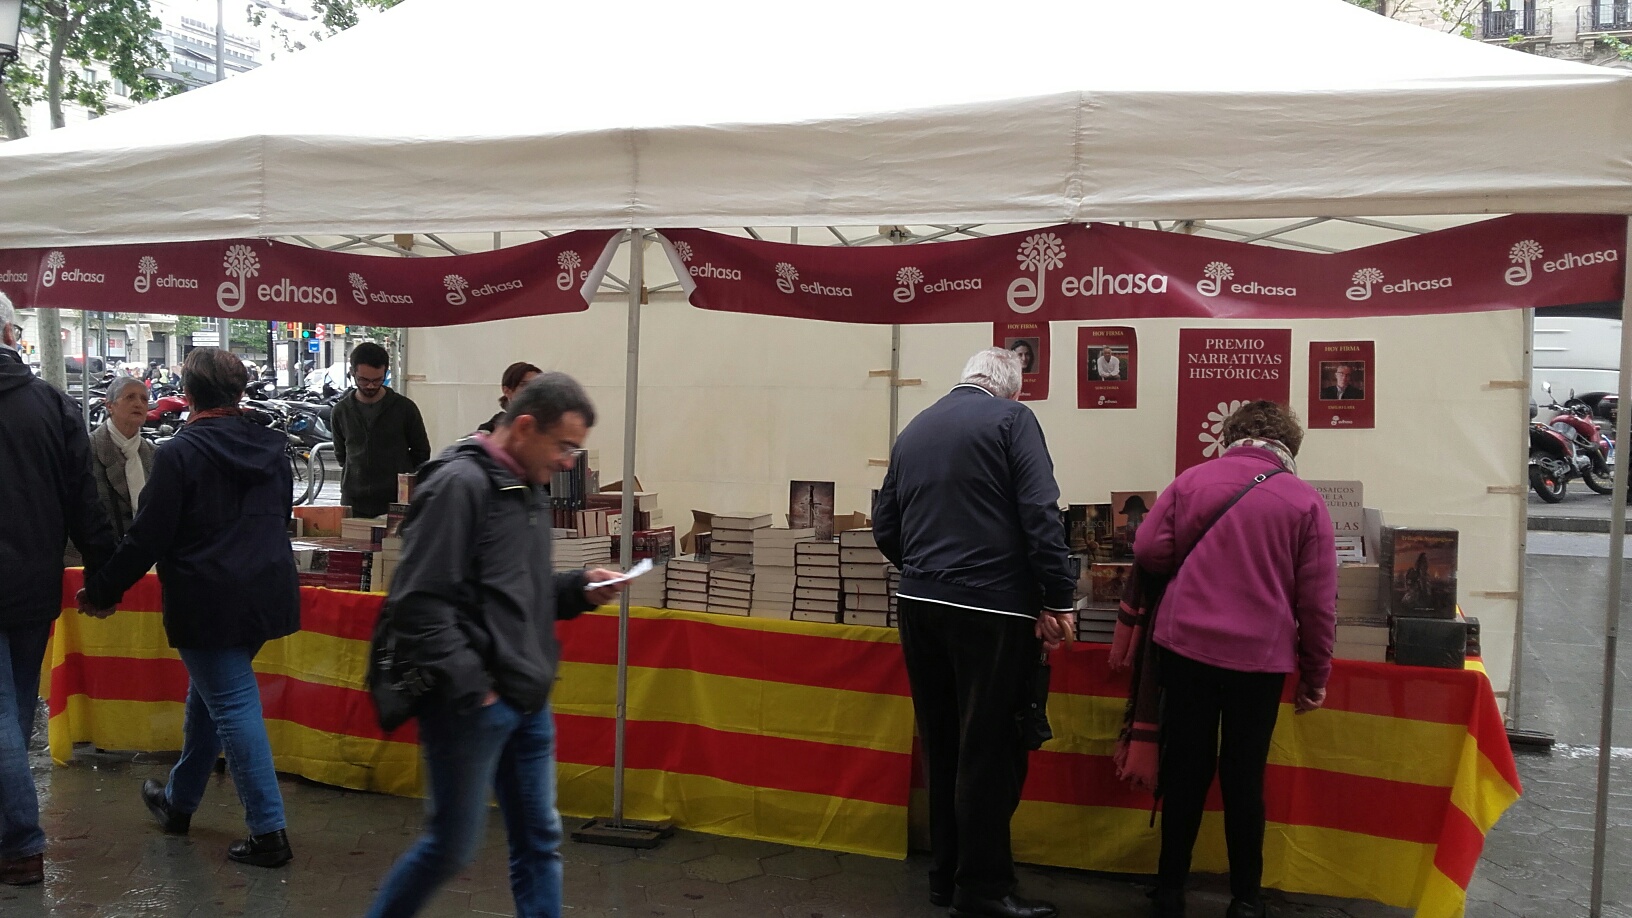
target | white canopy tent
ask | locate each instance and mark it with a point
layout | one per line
(521, 116)
(853, 113)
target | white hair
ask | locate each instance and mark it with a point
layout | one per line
(8, 314)
(119, 385)
(995, 369)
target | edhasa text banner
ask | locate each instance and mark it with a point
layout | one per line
(260, 279)
(1081, 272)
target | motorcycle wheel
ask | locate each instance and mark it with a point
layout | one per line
(1548, 487)
(1603, 485)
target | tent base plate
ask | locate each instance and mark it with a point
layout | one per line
(633, 833)
(1530, 739)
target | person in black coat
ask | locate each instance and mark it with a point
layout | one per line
(213, 517)
(969, 511)
(49, 496)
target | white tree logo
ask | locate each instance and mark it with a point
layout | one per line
(909, 278)
(1216, 273)
(145, 269)
(786, 274)
(456, 289)
(54, 262)
(1364, 279)
(683, 249)
(569, 262)
(359, 288)
(1522, 254)
(1214, 426)
(1042, 253)
(241, 262)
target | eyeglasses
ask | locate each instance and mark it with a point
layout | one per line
(369, 380)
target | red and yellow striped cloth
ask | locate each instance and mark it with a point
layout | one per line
(1384, 794)
(802, 733)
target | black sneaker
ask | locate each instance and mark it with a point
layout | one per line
(158, 804)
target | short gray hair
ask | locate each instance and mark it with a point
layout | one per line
(119, 385)
(8, 312)
(995, 369)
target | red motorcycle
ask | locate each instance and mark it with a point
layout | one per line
(165, 413)
(1569, 446)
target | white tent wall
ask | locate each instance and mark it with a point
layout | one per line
(732, 407)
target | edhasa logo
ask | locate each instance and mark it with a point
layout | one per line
(707, 269)
(1217, 272)
(909, 278)
(1527, 251)
(1044, 252)
(569, 263)
(55, 261)
(1366, 278)
(457, 286)
(149, 266)
(787, 276)
(360, 292)
(242, 263)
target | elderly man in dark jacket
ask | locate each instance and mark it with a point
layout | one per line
(474, 604)
(969, 512)
(49, 497)
(213, 517)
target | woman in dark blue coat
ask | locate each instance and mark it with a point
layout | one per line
(213, 518)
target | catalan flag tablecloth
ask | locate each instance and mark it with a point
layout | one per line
(802, 733)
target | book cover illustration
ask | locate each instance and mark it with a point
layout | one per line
(1128, 510)
(810, 506)
(1418, 570)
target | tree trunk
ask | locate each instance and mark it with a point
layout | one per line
(11, 120)
(53, 74)
(49, 333)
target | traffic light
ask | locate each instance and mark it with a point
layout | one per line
(322, 332)
(339, 330)
(296, 330)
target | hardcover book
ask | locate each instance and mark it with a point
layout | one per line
(1417, 571)
(810, 506)
(1128, 509)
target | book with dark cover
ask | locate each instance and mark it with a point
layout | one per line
(1128, 509)
(1109, 579)
(1437, 642)
(1417, 571)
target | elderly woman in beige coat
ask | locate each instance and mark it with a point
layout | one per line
(120, 458)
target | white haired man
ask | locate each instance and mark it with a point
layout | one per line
(969, 512)
(50, 496)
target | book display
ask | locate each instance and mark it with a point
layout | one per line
(816, 584)
(774, 570)
(864, 576)
(731, 589)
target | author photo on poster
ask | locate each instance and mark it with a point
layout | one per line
(1342, 381)
(1107, 363)
(1027, 349)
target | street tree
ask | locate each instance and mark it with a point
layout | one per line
(333, 17)
(68, 37)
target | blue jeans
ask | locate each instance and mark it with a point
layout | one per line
(465, 753)
(224, 711)
(22, 651)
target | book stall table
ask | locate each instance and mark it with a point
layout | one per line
(801, 733)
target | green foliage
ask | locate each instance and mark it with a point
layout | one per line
(119, 34)
(333, 17)
(1622, 49)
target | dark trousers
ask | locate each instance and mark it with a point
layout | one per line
(968, 672)
(1196, 699)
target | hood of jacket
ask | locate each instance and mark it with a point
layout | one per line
(498, 474)
(246, 451)
(13, 372)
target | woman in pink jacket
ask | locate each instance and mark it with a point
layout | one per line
(1253, 600)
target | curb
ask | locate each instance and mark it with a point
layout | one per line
(1571, 524)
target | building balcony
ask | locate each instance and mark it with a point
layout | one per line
(1609, 18)
(1520, 25)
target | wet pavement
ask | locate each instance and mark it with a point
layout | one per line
(106, 857)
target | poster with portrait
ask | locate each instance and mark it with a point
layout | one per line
(1030, 341)
(1107, 361)
(1341, 380)
(1219, 368)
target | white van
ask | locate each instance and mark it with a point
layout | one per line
(1575, 353)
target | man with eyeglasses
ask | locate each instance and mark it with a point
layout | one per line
(378, 434)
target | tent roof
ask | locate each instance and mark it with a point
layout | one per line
(482, 115)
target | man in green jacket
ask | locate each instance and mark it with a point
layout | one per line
(378, 435)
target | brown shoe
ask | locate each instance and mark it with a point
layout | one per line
(22, 871)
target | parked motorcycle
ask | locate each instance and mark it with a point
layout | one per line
(1569, 446)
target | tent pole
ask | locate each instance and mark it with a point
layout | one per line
(1515, 682)
(627, 833)
(895, 384)
(1612, 597)
(85, 368)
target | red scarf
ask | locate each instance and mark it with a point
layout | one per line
(231, 411)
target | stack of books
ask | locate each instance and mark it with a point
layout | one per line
(573, 554)
(733, 533)
(650, 589)
(774, 571)
(385, 563)
(864, 576)
(1362, 625)
(686, 580)
(334, 564)
(1102, 585)
(363, 530)
(816, 584)
(730, 589)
